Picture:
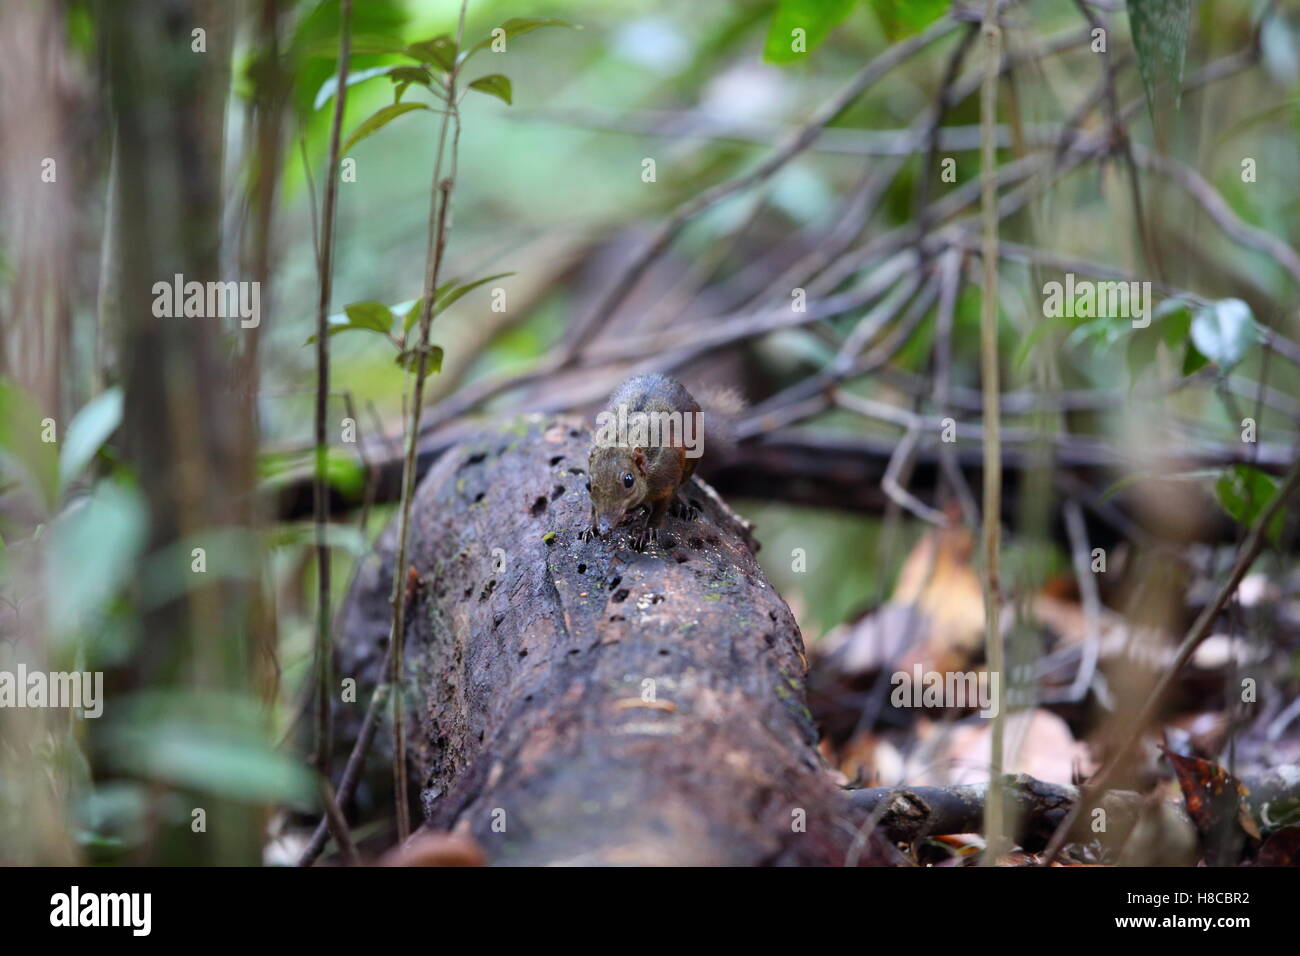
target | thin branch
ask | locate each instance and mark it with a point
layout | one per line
(325, 264)
(994, 825)
(437, 243)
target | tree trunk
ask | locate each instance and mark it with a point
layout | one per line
(585, 703)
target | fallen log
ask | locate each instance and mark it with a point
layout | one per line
(581, 702)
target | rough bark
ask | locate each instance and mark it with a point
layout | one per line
(581, 702)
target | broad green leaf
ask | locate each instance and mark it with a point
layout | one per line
(799, 26)
(379, 120)
(370, 315)
(494, 84)
(361, 317)
(327, 89)
(1244, 492)
(1160, 29)
(440, 51)
(517, 26)
(1224, 331)
(87, 432)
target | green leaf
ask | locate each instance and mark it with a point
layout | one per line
(1224, 331)
(446, 298)
(900, 18)
(518, 26)
(404, 76)
(494, 84)
(1244, 492)
(370, 315)
(327, 89)
(379, 120)
(799, 26)
(409, 359)
(361, 317)
(440, 51)
(1160, 30)
(87, 432)
(413, 313)
(1193, 360)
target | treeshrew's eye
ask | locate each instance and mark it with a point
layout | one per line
(628, 480)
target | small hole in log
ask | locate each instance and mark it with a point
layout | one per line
(582, 569)
(620, 595)
(539, 507)
(556, 460)
(682, 558)
(616, 582)
(618, 617)
(577, 471)
(664, 652)
(475, 459)
(478, 497)
(558, 490)
(696, 543)
(523, 653)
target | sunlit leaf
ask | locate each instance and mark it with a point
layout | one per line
(494, 84)
(370, 315)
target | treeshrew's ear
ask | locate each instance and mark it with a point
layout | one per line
(638, 456)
